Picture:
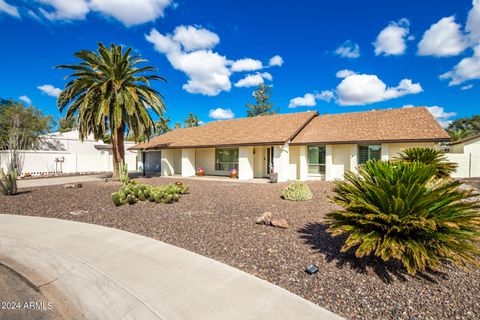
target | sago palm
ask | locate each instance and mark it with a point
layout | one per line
(110, 93)
(401, 211)
(432, 157)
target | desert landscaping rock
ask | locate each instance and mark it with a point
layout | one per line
(73, 186)
(279, 223)
(265, 219)
(215, 220)
(78, 212)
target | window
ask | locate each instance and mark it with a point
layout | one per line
(316, 159)
(226, 159)
(369, 152)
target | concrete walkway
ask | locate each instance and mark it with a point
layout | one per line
(51, 181)
(104, 273)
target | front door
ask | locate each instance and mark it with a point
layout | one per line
(269, 160)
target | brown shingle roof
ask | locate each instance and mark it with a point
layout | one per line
(400, 125)
(275, 129)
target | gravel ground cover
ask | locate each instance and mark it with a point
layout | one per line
(216, 219)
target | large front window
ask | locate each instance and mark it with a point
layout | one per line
(316, 159)
(369, 152)
(226, 159)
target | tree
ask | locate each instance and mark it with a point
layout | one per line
(177, 125)
(471, 125)
(27, 123)
(399, 210)
(262, 106)
(192, 121)
(67, 124)
(161, 126)
(110, 94)
(460, 134)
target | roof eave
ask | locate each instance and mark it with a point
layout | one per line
(372, 141)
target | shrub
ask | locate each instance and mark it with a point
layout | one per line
(401, 211)
(8, 182)
(132, 192)
(297, 191)
(432, 157)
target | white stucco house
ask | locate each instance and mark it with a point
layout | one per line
(64, 152)
(466, 153)
(297, 146)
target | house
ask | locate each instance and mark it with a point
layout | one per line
(297, 146)
(466, 153)
(64, 152)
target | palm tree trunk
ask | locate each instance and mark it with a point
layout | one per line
(118, 151)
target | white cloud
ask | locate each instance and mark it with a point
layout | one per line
(221, 114)
(193, 38)
(391, 40)
(310, 99)
(442, 117)
(443, 39)
(275, 61)
(9, 9)
(348, 49)
(466, 69)
(344, 73)
(190, 50)
(253, 80)
(360, 89)
(473, 22)
(64, 10)
(208, 71)
(25, 99)
(246, 64)
(126, 11)
(50, 90)
(467, 87)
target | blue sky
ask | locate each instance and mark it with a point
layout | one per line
(335, 56)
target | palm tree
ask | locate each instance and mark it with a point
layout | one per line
(459, 134)
(161, 126)
(110, 94)
(192, 121)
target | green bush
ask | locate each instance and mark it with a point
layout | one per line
(132, 192)
(8, 182)
(297, 191)
(432, 157)
(402, 211)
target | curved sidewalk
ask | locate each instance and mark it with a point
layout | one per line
(105, 273)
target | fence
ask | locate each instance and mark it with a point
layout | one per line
(48, 162)
(468, 165)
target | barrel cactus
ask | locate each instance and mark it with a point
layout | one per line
(297, 191)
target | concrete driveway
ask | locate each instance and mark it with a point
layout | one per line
(104, 273)
(51, 181)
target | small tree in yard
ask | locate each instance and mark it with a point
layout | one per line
(400, 210)
(109, 93)
(263, 106)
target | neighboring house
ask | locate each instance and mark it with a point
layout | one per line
(66, 153)
(297, 146)
(466, 153)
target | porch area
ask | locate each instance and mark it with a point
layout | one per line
(290, 162)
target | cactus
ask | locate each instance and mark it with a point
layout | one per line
(118, 198)
(124, 172)
(297, 191)
(8, 182)
(131, 199)
(133, 192)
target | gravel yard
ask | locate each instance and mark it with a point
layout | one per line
(216, 219)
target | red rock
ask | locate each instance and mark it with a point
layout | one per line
(280, 223)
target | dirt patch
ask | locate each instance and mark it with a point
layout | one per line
(217, 219)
